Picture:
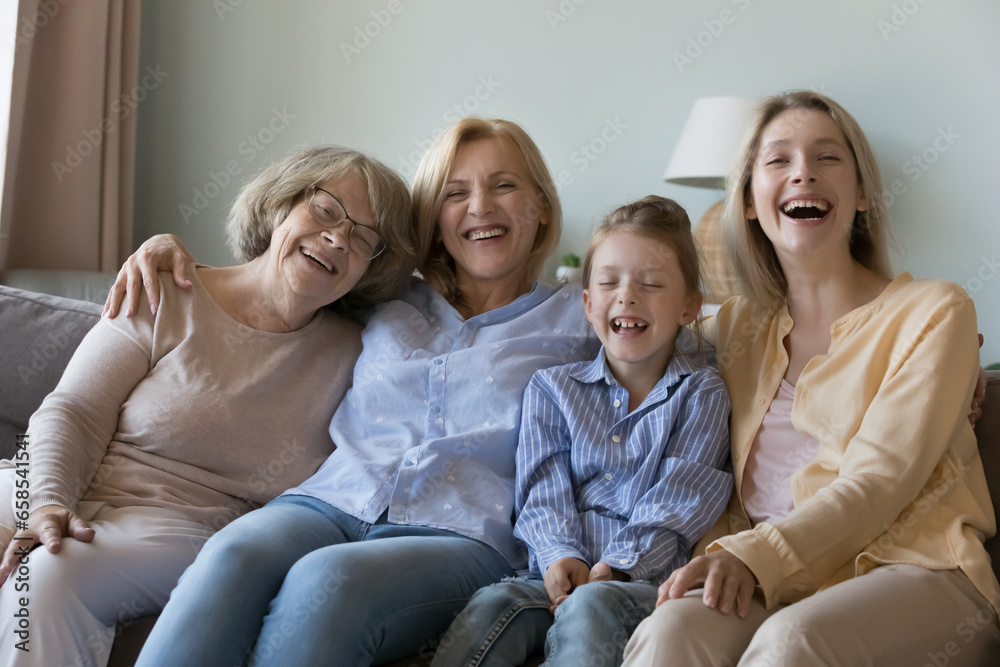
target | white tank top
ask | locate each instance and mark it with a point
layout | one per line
(777, 452)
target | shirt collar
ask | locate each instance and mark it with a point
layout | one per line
(682, 364)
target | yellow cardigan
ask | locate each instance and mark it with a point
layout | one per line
(898, 478)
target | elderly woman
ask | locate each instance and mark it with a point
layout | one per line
(856, 533)
(371, 558)
(166, 427)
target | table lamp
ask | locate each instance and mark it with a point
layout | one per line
(702, 158)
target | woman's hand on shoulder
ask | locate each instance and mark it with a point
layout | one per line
(161, 252)
(729, 583)
(46, 525)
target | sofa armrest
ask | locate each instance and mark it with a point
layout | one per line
(38, 335)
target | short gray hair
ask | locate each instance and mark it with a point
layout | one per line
(268, 198)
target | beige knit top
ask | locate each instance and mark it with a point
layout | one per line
(190, 410)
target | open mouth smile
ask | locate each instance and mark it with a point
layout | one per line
(319, 260)
(628, 325)
(806, 209)
(480, 234)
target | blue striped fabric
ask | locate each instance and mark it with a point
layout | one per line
(635, 490)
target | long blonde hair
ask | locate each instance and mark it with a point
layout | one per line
(434, 261)
(751, 254)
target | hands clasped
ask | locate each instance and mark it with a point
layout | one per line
(567, 574)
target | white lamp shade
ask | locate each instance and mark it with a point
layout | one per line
(709, 141)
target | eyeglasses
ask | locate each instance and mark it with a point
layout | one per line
(328, 212)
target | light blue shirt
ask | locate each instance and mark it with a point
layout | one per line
(635, 490)
(430, 426)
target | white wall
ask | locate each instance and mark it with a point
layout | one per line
(911, 71)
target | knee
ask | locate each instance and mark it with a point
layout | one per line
(230, 552)
(505, 594)
(326, 574)
(786, 639)
(54, 578)
(597, 598)
(668, 624)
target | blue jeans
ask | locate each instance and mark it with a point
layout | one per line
(507, 623)
(299, 582)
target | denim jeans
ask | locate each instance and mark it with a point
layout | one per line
(507, 623)
(299, 582)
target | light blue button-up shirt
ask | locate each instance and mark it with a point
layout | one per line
(635, 490)
(430, 425)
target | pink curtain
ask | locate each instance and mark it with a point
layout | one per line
(68, 188)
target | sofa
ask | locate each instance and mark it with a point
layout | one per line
(39, 332)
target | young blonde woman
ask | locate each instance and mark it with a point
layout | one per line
(856, 533)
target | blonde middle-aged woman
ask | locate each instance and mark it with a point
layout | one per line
(371, 558)
(166, 427)
(856, 533)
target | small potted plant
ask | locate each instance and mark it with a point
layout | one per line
(569, 270)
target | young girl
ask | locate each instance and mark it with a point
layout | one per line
(619, 460)
(856, 534)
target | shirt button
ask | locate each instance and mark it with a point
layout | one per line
(617, 403)
(608, 476)
(623, 561)
(787, 324)
(440, 421)
(407, 463)
(441, 377)
(437, 409)
(615, 438)
(761, 401)
(438, 362)
(736, 457)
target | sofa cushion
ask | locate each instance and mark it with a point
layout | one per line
(988, 435)
(37, 339)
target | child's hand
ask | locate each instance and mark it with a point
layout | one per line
(603, 572)
(727, 580)
(562, 577)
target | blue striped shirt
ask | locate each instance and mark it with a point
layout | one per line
(635, 490)
(430, 425)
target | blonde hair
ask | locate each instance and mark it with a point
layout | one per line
(656, 218)
(751, 254)
(434, 261)
(269, 197)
